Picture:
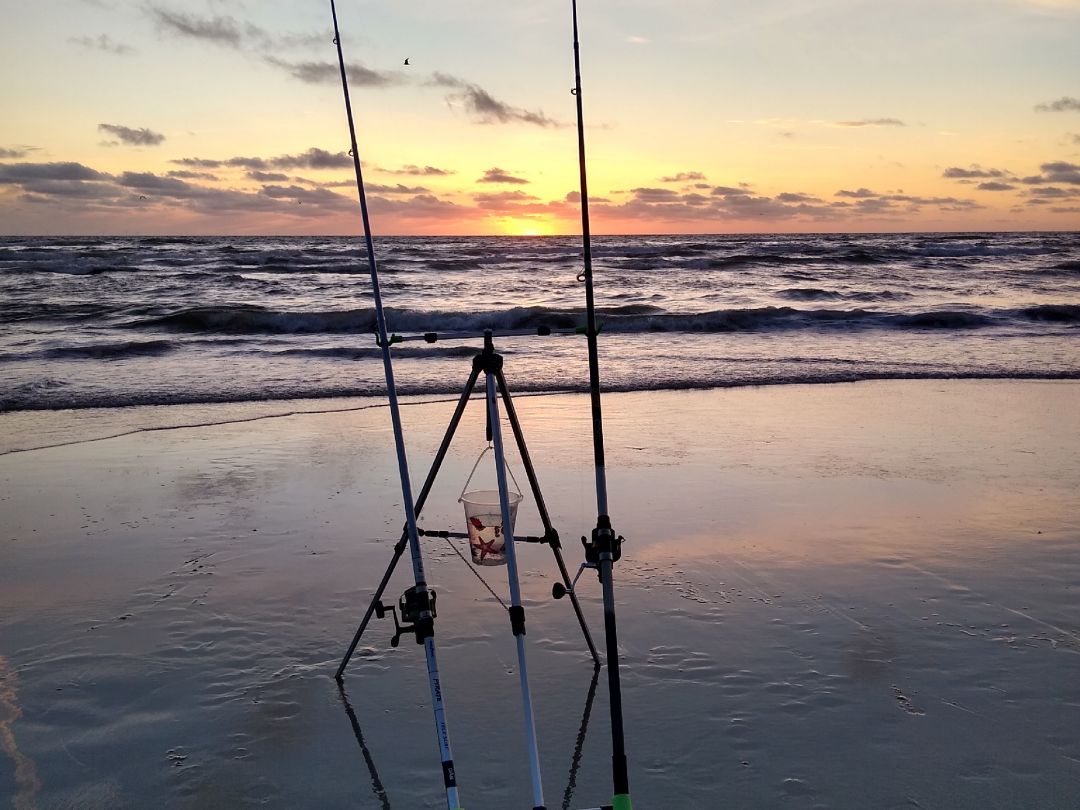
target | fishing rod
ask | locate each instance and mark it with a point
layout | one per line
(604, 548)
(418, 600)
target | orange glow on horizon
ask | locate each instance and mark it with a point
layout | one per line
(527, 226)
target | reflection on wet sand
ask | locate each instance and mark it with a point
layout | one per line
(376, 783)
(379, 790)
(583, 730)
(25, 770)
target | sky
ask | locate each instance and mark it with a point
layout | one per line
(701, 116)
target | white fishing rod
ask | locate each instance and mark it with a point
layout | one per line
(418, 600)
(604, 548)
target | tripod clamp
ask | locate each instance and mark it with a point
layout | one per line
(417, 606)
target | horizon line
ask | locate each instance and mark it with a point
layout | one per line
(520, 236)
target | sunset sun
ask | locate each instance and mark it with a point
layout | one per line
(521, 226)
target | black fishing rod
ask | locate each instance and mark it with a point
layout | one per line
(418, 601)
(604, 548)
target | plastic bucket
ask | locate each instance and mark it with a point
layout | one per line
(483, 519)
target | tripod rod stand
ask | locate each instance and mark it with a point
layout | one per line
(549, 537)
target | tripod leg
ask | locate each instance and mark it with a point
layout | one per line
(577, 606)
(541, 507)
(399, 548)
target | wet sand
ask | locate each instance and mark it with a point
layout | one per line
(845, 596)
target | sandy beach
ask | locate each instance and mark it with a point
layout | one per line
(832, 596)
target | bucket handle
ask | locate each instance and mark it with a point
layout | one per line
(480, 458)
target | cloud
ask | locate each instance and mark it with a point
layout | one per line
(72, 189)
(485, 108)
(503, 200)
(915, 202)
(314, 40)
(1061, 172)
(636, 40)
(497, 175)
(202, 199)
(976, 171)
(994, 185)
(871, 122)
(313, 158)
(188, 175)
(12, 153)
(132, 137)
(219, 30)
(419, 171)
(683, 177)
(1063, 104)
(262, 177)
(857, 194)
(201, 163)
(727, 191)
(330, 73)
(317, 196)
(148, 181)
(74, 186)
(29, 172)
(228, 32)
(103, 42)
(645, 194)
(1044, 194)
(420, 207)
(725, 203)
(789, 197)
(377, 188)
(520, 204)
(1055, 172)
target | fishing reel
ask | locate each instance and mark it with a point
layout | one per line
(417, 612)
(603, 540)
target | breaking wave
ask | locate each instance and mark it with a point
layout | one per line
(632, 318)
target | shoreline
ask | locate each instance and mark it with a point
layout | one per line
(17, 422)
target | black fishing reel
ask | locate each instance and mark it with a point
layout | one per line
(603, 540)
(417, 608)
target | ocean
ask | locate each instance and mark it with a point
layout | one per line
(119, 321)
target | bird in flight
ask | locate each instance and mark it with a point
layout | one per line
(406, 60)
